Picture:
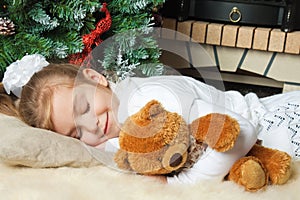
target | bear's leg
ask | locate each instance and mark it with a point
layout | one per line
(250, 173)
(121, 159)
(278, 163)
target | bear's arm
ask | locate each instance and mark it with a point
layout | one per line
(215, 165)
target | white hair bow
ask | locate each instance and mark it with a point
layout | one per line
(19, 73)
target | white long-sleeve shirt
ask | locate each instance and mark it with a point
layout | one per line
(192, 99)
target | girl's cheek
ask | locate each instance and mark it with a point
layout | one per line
(99, 108)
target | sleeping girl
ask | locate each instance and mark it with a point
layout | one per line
(81, 103)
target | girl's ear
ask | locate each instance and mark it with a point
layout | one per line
(95, 77)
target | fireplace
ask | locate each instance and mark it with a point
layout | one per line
(283, 14)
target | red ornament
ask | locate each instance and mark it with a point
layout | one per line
(93, 38)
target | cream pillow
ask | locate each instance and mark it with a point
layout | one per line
(23, 145)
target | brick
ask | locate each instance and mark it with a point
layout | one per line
(276, 42)
(261, 38)
(245, 35)
(289, 87)
(199, 31)
(229, 35)
(214, 33)
(292, 44)
(169, 23)
(184, 29)
(168, 28)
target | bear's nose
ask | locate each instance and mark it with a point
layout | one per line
(175, 157)
(176, 160)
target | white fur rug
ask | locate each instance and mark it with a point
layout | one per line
(103, 183)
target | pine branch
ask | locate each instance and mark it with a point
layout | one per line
(51, 28)
(55, 28)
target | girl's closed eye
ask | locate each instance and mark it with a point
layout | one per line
(85, 111)
(87, 108)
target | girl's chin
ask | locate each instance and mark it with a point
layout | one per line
(99, 141)
(112, 131)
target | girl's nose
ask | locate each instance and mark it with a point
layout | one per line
(94, 125)
(91, 125)
(97, 122)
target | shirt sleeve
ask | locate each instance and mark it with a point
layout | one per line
(215, 165)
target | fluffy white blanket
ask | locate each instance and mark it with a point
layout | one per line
(103, 183)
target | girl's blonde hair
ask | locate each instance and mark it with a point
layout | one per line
(36, 99)
(7, 103)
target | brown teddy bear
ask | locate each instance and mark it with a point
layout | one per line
(155, 141)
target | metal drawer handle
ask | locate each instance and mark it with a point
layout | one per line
(234, 11)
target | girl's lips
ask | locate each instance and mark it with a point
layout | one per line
(106, 124)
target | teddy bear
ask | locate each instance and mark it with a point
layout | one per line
(154, 141)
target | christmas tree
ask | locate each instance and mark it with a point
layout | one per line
(55, 30)
(136, 50)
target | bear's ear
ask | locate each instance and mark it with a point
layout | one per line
(155, 108)
(147, 113)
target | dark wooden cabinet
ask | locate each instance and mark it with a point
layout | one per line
(176, 9)
(284, 14)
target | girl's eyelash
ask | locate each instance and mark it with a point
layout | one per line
(88, 107)
(79, 133)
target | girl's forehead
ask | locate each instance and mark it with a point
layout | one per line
(62, 109)
(83, 90)
(84, 87)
